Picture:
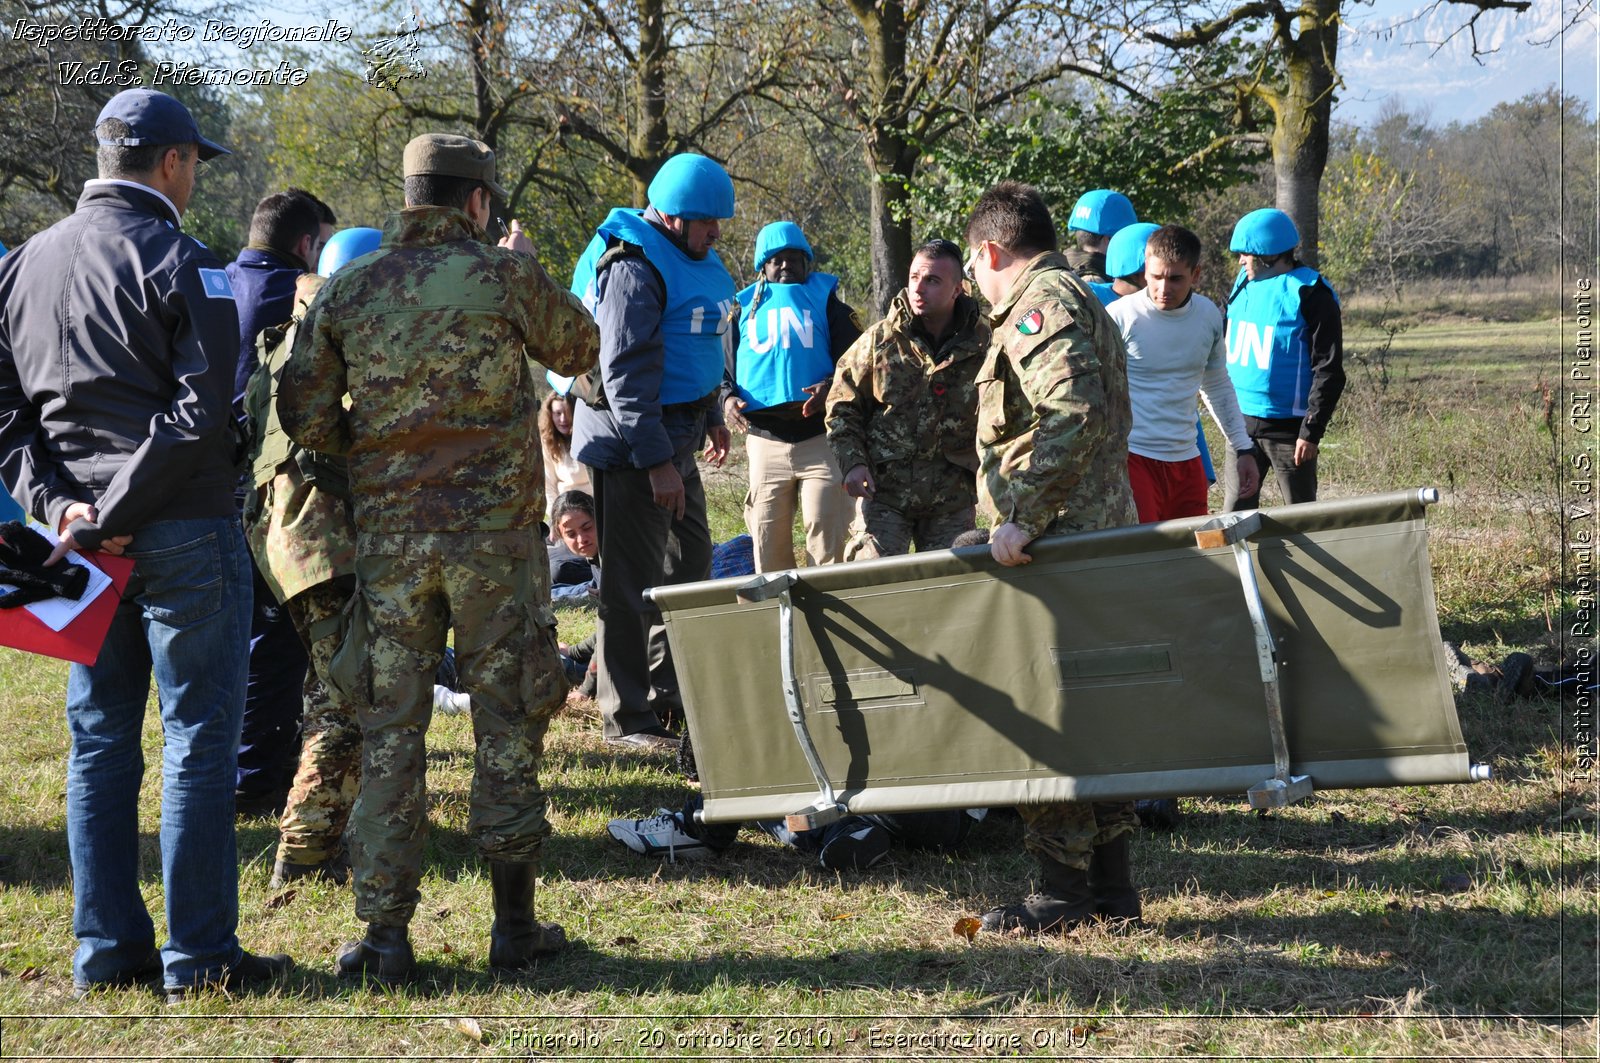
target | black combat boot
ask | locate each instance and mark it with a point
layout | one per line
(1111, 880)
(384, 955)
(517, 940)
(335, 869)
(1065, 903)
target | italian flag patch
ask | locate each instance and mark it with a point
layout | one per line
(1031, 322)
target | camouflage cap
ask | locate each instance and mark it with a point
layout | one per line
(452, 155)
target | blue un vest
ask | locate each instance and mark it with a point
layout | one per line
(783, 343)
(699, 300)
(1269, 358)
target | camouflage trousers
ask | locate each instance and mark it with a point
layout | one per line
(490, 588)
(1067, 832)
(885, 532)
(324, 789)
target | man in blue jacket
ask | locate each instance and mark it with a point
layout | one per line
(1285, 356)
(663, 301)
(116, 430)
(287, 232)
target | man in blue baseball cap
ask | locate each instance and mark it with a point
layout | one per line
(117, 431)
(663, 302)
(1285, 338)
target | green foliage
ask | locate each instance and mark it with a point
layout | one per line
(1166, 155)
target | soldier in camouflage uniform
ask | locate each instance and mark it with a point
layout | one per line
(303, 536)
(1053, 423)
(433, 337)
(901, 413)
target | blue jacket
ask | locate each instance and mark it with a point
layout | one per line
(636, 429)
(263, 287)
(118, 341)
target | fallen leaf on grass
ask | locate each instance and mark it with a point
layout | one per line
(29, 974)
(442, 913)
(967, 928)
(469, 1028)
(446, 947)
(282, 900)
(841, 915)
(624, 940)
(1330, 893)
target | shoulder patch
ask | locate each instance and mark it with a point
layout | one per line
(1031, 322)
(216, 284)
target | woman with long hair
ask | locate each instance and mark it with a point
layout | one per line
(562, 471)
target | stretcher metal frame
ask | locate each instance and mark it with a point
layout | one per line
(1236, 532)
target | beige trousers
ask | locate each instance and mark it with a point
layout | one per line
(782, 474)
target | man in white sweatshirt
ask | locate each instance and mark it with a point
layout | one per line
(1177, 349)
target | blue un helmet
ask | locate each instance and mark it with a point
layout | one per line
(1264, 232)
(1125, 253)
(1102, 212)
(780, 236)
(692, 187)
(346, 245)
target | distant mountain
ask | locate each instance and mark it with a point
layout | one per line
(1404, 50)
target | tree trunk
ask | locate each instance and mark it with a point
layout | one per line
(1303, 113)
(889, 159)
(890, 227)
(479, 46)
(649, 140)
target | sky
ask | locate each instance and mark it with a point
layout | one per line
(1390, 52)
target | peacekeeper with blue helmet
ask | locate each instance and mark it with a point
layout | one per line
(663, 302)
(789, 332)
(1097, 216)
(1285, 355)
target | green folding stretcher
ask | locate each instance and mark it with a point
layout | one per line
(1268, 653)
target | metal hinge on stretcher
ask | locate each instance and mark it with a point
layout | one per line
(1235, 529)
(826, 808)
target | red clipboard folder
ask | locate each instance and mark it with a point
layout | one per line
(79, 641)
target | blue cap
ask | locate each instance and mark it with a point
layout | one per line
(155, 118)
(780, 236)
(1102, 212)
(1125, 252)
(693, 187)
(1264, 232)
(345, 246)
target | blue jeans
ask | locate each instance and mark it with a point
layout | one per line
(185, 617)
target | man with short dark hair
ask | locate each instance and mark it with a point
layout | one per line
(116, 431)
(287, 232)
(902, 412)
(1054, 416)
(432, 337)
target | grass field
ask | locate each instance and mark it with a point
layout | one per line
(1407, 923)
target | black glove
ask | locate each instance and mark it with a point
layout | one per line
(23, 553)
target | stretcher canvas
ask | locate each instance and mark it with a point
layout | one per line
(1119, 664)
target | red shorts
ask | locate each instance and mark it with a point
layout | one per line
(1166, 490)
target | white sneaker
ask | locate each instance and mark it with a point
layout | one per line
(450, 703)
(660, 835)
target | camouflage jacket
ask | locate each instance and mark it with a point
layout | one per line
(1088, 265)
(908, 412)
(299, 524)
(432, 337)
(1053, 411)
